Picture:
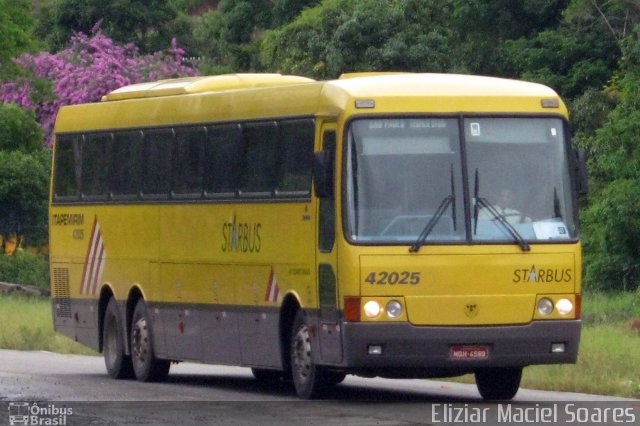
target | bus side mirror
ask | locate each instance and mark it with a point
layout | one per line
(580, 169)
(323, 174)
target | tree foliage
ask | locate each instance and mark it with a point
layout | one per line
(341, 36)
(227, 37)
(149, 24)
(407, 35)
(24, 175)
(25, 268)
(611, 220)
(23, 194)
(16, 24)
(19, 130)
(89, 68)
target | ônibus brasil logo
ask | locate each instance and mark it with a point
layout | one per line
(31, 413)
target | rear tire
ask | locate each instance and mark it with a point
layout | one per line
(309, 379)
(118, 364)
(498, 384)
(146, 366)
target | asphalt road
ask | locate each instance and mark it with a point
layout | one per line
(202, 394)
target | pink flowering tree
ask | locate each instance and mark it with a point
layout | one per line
(90, 67)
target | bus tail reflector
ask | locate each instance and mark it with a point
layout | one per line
(352, 309)
(578, 307)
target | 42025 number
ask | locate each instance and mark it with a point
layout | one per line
(393, 278)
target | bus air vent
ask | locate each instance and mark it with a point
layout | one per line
(61, 292)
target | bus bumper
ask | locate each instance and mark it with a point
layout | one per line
(405, 346)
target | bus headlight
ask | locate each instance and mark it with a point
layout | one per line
(564, 306)
(394, 309)
(545, 306)
(372, 309)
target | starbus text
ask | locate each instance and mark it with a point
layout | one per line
(241, 237)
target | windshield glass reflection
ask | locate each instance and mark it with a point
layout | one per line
(404, 181)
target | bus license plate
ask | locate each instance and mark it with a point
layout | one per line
(469, 352)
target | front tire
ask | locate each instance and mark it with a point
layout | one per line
(118, 364)
(309, 379)
(146, 366)
(498, 384)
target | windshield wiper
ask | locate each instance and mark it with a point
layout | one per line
(484, 203)
(449, 200)
(556, 204)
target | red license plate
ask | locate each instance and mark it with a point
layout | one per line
(469, 352)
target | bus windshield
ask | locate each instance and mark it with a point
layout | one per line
(405, 182)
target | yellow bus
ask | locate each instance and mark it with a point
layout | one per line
(382, 224)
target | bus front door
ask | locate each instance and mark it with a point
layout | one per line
(329, 317)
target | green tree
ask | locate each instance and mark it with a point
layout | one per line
(16, 24)
(23, 194)
(363, 35)
(482, 27)
(24, 175)
(569, 59)
(19, 130)
(407, 35)
(226, 38)
(149, 24)
(612, 237)
(285, 11)
(610, 221)
(617, 17)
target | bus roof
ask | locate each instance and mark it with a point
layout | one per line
(445, 85)
(188, 85)
(256, 96)
(443, 93)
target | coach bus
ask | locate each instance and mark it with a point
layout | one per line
(382, 224)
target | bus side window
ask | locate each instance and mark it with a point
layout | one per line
(126, 164)
(296, 156)
(187, 161)
(222, 153)
(95, 165)
(67, 167)
(157, 148)
(259, 166)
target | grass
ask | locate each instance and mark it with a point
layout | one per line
(608, 357)
(607, 362)
(27, 325)
(609, 348)
(610, 308)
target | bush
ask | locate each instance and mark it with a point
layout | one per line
(612, 237)
(24, 182)
(25, 268)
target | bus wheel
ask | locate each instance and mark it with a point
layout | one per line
(308, 378)
(498, 383)
(146, 366)
(118, 364)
